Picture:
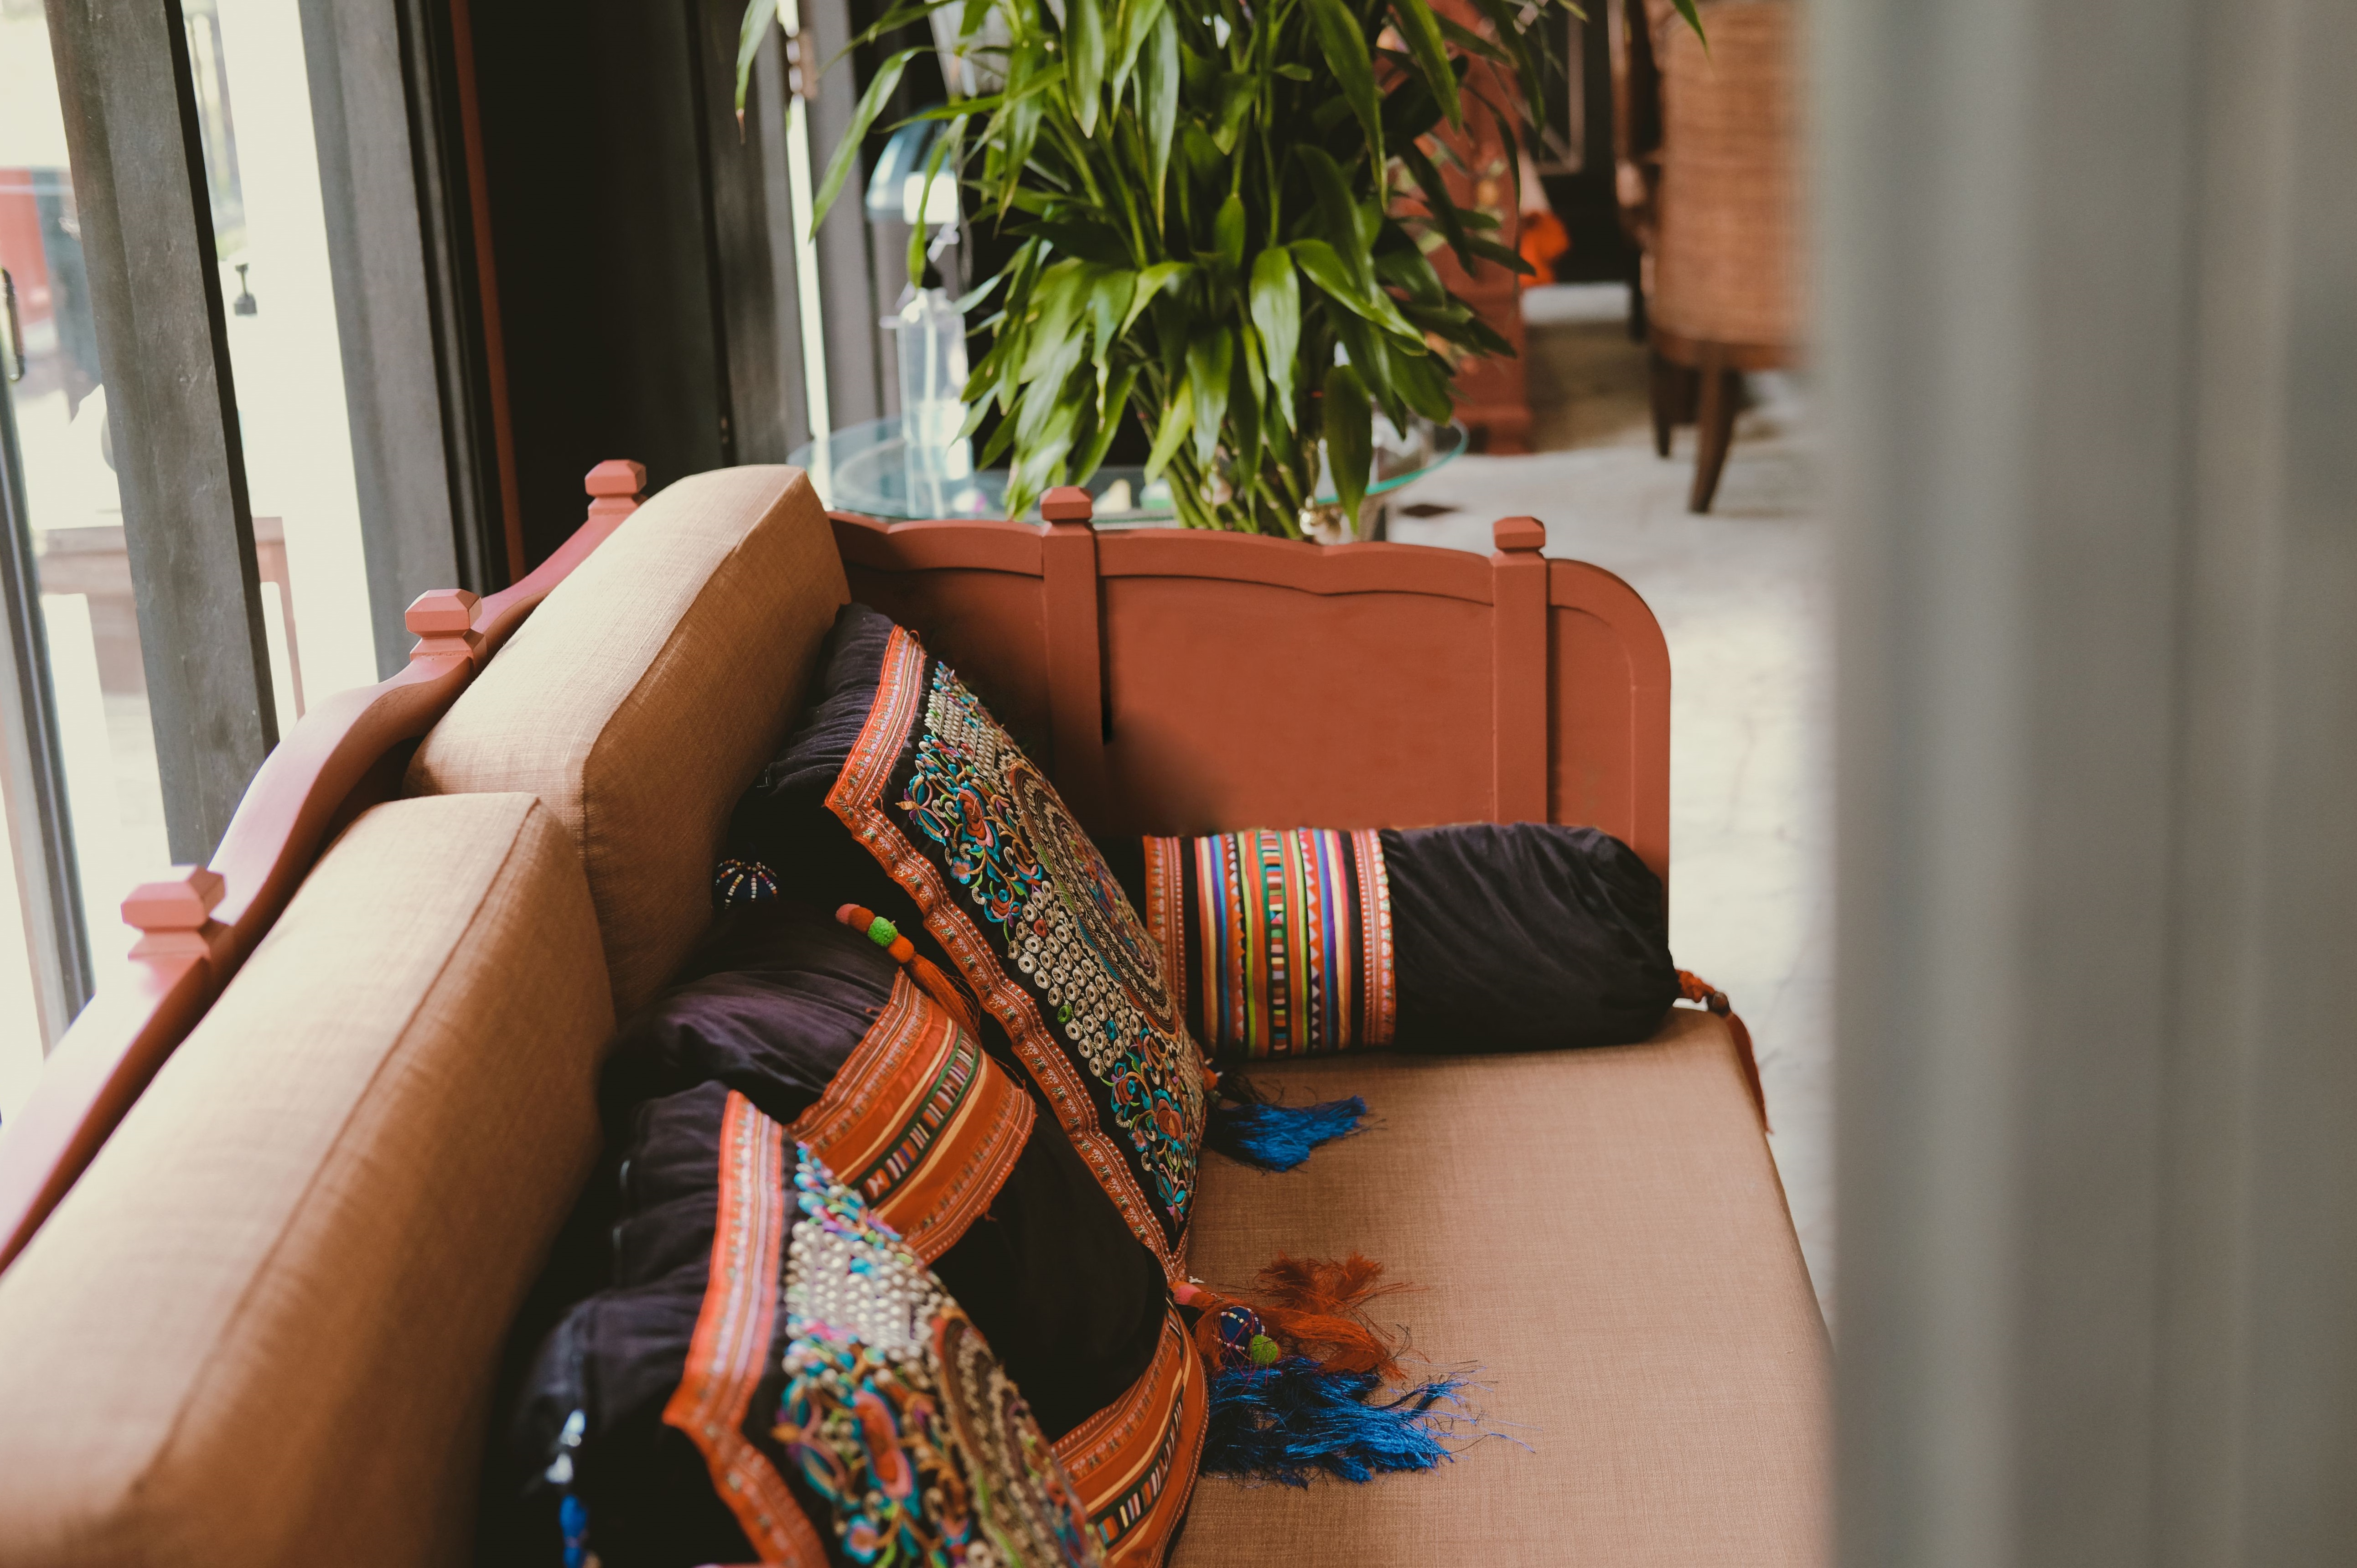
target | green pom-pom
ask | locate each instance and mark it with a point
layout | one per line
(882, 932)
(1263, 1351)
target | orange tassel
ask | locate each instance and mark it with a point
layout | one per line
(923, 970)
(1313, 1307)
(1692, 987)
(1320, 1304)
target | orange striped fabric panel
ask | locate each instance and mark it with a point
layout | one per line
(920, 1123)
(1134, 1464)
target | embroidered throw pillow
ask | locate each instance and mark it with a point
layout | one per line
(898, 791)
(1478, 938)
(817, 1396)
(804, 1031)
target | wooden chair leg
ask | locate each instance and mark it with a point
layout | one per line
(1722, 393)
(1666, 386)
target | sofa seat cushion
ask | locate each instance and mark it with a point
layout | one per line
(263, 1326)
(647, 690)
(1602, 1234)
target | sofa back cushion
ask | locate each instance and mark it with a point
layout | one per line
(264, 1325)
(647, 690)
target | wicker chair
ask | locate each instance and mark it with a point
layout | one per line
(1723, 295)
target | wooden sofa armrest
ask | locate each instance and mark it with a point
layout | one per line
(198, 924)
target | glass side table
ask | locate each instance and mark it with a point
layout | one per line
(869, 469)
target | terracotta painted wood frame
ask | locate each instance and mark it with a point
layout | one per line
(1182, 682)
(198, 925)
(1171, 682)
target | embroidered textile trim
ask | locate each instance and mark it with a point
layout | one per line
(1125, 1458)
(1080, 988)
(730, 1350)
(896, 1412)
(924, 1126)
(1290, 935)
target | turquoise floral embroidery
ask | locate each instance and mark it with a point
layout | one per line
(1067, 929)
(896, 1412)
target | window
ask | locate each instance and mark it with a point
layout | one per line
(147, 672)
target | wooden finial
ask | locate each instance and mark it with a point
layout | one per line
(1519, 533)
(1067, 504)
(614, 485)
(172, 913)
(444, 620)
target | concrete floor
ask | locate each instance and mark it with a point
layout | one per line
(1743, 599)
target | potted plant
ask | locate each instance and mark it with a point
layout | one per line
(1225, 212)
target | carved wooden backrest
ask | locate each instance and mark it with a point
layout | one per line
(1184, 682)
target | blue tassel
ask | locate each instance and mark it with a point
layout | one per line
(1267, 1137)
(572, 1518)
(1291, 1421)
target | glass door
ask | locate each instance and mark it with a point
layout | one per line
(85, 803)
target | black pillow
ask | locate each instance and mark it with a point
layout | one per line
(1476, 938)
(814, 1029)
(819, 1395)
(898, 791)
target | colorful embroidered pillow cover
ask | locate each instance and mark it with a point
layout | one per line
(840, 1405)
(898, 791)
(1482, 936)
(812, 1027)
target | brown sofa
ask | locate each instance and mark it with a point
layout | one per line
(260, 1326)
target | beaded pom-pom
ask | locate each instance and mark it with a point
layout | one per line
(743, 882)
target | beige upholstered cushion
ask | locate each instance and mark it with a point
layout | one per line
(1602, 1234)
(264, 1325)
(644, 694)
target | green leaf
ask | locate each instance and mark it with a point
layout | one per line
(1422, 381)
(1243, 414)
(1228, 233)
(1137, 19)
(1089, 240)
(1422, 32)
(1490, 249)
(1276, 316)
(899, 17)
(1056, 300)
(1178, 419)
(1110, 408)
(1365, 348)
(1437, 199)
(1349, 438)
(1344, 43)
(963, 108)
(1694, 21)
(1293, 71)
(1408, 270)
(1337, 214)
(1150, 281)
(1505, 20)
(1317, 258)
(1157, 103)
(1109, 300)
(1238, 91)
(1210, 356)
(1473, 43)
(948, 150)
(1084, 58)
(759, 14)
(847, 152)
